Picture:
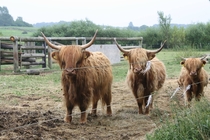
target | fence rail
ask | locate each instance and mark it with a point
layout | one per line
(22, 51)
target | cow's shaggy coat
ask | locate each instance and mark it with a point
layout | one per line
(194, 76)
(144, 82)
(86, 78)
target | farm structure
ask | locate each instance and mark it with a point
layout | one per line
(24, 53)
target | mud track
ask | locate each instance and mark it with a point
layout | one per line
(41, 117)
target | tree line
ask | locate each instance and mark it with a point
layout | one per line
(7, 20)
(195, 35)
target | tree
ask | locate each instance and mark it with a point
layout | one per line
(19, 22)
(152, 37)
(177, 36)
(4, 10)
(5, 18)
(164, 23)
(196, 34)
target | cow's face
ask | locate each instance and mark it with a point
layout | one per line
(69, 57)
(193, 65)
(138, 59)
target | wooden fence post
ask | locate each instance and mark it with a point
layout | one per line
(49, 56)
(84, 41)
(76, 41)
(44, 59)
(15, 56)
(140, 42)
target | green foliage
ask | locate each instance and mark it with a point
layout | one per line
(195, 34)
(188, 124)
(86, 28)
(7, 20)
(177, 36)
(164, 23)
(151, 36)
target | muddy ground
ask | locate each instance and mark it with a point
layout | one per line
(41, 117)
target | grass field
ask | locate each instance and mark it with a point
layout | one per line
(8, 31)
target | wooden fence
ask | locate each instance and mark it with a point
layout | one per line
(24, 53)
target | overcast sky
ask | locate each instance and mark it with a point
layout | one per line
(109, 12)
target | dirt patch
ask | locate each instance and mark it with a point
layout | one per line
(41, 116)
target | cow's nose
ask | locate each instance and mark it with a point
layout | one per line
(70, 71)
(136, 70)
(193, 73)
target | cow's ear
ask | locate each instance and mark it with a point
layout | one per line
(182, 63)
(150, 55)
(204, 62)
(55, 55)
(86, 54)
(125, 55)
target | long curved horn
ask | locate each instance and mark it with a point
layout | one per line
(182, 58)
(91, 42)
(158, 50)
(50, 44)
(121, 49)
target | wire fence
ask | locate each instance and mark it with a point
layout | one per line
(79, 113)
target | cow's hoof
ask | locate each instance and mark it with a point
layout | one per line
(109, 114)
(67, 119)
(83, 122)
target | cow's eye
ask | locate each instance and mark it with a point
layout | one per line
(198, 68)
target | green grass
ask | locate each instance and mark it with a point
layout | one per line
(7, 31)
(120, 70)
(172, 60)
(28, 84)
(188, 124)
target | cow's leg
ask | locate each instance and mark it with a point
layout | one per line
(199, 93)
(188, 97)
(146, 108)
(69, 108)
(94, 108)
(83, 118)
(68, 117)
(139, 95)
(107, 98)
(69, 105)
(140, 103)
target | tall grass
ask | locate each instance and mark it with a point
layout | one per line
(188, 124)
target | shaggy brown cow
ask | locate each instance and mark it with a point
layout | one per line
(146, 74)
(86, 77)
(193, 78)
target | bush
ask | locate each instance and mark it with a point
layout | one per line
(24, 32)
